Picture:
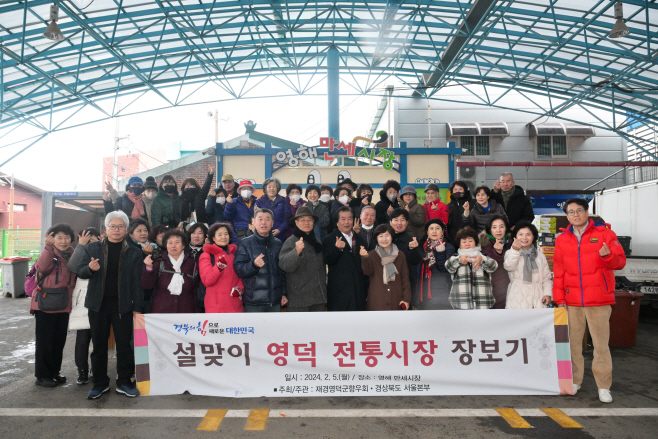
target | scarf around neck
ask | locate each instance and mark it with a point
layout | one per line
(388, 260)
(138, 210)
(308, 238)
(507, 195)
(430, 247)
(195, 250)
(66, 254)
(529, 263)
(176, 284)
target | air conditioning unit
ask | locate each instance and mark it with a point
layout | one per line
(471, 175)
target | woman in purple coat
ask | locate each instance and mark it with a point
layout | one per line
(294, 201)
(494, 243)
(277, 204)
(174, 276)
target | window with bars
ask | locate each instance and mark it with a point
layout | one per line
(475, 146)
(551, 146)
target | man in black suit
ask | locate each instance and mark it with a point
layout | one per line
(346, 286)
(365, 226)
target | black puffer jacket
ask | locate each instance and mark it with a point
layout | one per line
(184, 206)
(382, 207)
(265, 285)
(131, 266)
(455, 220)
(519, 207)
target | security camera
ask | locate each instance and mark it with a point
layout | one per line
(210, 113)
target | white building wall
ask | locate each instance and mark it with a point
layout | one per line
(411, 127)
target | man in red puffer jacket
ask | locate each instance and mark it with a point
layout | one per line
(586, 255)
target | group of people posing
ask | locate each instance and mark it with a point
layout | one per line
(196, 250)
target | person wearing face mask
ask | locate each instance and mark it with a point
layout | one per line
(277, 204)
(416, 212)
(190, 205)
(342, 196)
(162, 208)
(131, 203)
(241, 209)
(150, 191)
(319, 209)
(215, 205)
(459, 194)
(294, 201)
(326, 194)
(363, 198)
(388, 200)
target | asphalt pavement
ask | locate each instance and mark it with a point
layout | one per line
(27, 410)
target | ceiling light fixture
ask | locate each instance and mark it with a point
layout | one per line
(619, 29)
(53, 32)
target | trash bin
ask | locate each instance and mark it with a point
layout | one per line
(14, 270)
(623, 320)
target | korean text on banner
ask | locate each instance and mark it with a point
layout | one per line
(489, 352)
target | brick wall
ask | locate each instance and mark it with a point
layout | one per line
(128, 165)
(198, 171)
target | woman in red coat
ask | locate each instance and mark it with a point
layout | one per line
(223, 286)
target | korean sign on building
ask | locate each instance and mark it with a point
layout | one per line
(336, 150)
(489, 352)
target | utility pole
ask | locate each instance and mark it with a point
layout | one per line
(11, 203)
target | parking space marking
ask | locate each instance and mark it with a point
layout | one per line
(257, 419)
(561, 418)
(211, 421)
(513, 418)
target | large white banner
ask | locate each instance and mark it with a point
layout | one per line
(483, 352)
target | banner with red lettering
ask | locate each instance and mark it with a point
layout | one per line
(480, 352)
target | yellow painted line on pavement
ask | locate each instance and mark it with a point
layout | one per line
(513, 418)
(257, 419)
(212, 420)
(561, 418)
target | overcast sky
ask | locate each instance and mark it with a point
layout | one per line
(72, 159)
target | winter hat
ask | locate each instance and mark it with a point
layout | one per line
(408, 189)
(246, 184)
(349, 182)
(436, 221)
(135, 180)
(432, 187)
(228, 177)
(303, 211)
(150, 184)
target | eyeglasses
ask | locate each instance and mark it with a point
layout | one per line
(576, 212)
(115, 227)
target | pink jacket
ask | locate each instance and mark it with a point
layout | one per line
(220, 282)
(56, 279)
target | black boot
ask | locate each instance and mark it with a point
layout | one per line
(59, 378)
(45, 382)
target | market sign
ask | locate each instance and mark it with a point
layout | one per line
(483, 352)
(336, 150)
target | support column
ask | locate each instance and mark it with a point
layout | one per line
(333, 93)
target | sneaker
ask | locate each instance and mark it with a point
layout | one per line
(605, 396)
(46, 382)
(576, 388)
(83, 377)
(127, 390)
(97, 392)
(59, 378)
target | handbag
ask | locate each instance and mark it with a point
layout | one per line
(51, 299)
(31, 281)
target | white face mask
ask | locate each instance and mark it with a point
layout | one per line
(221, 200)
(343, 199)
(392, 197)
(325, 197)
(246, 193)
(295, 197)
(149, 194)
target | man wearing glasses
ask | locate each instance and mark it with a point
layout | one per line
(586, 255)
(114, 269)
